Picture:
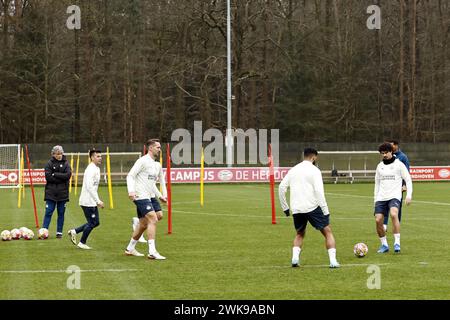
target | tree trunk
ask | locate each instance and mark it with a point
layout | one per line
(401, 69)
(338, 32)
(107, 136)
(412, 85)
(379, 50)
(76, 91)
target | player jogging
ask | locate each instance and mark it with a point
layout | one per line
(141, 183)
(89, 200)
(154, 200)
(400, 155)
(308, 204)
(388, 194)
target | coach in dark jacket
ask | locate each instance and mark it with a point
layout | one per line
(57, 175)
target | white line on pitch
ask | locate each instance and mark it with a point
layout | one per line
(370, 197)
(219, 214)
(327, 265)
(64, 271)
(333, 216)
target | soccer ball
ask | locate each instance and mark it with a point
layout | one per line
(16, 234)
(28, 235)
(360, 250)
(23, 230)
(43, 233)
(6, 235)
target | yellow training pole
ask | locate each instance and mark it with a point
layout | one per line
(22, 170)
(19, 200)
(76, 173)
(108, 169)
(202, 176)
(71, 168)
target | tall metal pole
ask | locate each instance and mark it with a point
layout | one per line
(229, 138)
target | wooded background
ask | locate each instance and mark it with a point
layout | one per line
(140, 69)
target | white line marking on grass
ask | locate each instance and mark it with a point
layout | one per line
(370, 218)
(198, 201)
(219, 214)
(370, 197)
(65, 271)
(328, 266)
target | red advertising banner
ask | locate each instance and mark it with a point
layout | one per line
(221, 175)
(430, 173)
(216, 175)
(11, 177)
(8, 177)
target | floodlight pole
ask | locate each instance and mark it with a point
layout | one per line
(229, 137)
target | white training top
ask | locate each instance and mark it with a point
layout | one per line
(388, 181)
(307, 193)
(162, 181)
(91, 179)
(142, 178)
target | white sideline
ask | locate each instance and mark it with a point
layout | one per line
(287, 266)
(283, 217)
(369, 197)
(65, 271)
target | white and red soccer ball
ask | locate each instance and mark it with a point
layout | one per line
(6, 235)
(28, 234)
(43, 234)
(360, 249)
(16, 234)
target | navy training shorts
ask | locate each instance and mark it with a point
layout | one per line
(385, 206)
(156, 205)
(143, 207)
(316, 217)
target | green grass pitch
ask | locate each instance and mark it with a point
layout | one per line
(230, 250)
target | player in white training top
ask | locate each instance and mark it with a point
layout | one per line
(141, 183)
(388, 194)
(89, 200)
(307, 204)
(154, 200)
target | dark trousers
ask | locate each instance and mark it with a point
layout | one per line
(93, 220)
(49, 209)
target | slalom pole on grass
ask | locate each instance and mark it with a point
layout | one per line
(20, 173)
(76, 173)
(272, 185)
(202, 177)
(32, 188)
(169, 191)
(22, 169)
(108, 170)
(71, 177)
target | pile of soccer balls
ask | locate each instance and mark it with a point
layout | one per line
(23, 233)
(360, 250)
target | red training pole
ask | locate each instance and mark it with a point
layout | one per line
(32, 188)
(169, 191)
(272, 185)
(144, 151)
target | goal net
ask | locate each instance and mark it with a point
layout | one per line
(9, 165)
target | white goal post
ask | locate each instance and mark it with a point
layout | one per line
(9, 165)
